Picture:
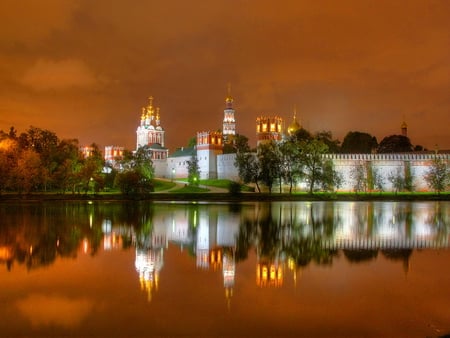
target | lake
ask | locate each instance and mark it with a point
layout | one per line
(300, 269)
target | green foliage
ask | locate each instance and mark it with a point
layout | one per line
(292, 167)
(270, 164)
(330, 179)
(234, 188)
(91, 169)
(378, 180)
(138, 172)
(327, 138)
(408, 184)
(302, 135)
(438, 176)
(246, 162)
(358, 174)
(397, 180)
(193, 171)
(160, 185)
(312, 158)
(192, 142)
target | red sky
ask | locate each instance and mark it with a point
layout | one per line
(84, 69)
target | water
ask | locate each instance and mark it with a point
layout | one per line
(307, 269)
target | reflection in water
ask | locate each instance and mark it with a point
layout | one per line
(285, 236)
(54, 310)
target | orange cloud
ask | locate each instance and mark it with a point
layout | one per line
(48, 74)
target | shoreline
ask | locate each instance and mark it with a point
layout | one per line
(224, 197)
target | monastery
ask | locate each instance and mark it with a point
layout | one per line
(214, 164)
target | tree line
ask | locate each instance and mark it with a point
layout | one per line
(300, 158)
(37, 160)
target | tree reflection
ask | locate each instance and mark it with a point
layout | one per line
(36, 235)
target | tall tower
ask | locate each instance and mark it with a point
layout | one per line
(229, 123)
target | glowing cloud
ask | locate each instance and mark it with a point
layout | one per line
(47, 75)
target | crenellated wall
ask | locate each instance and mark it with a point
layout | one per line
(385, 165)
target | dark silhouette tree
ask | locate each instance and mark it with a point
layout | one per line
(395, 144)
(356, 142)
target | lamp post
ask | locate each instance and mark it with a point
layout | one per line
(173, 173)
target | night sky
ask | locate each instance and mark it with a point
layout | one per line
(85, 68)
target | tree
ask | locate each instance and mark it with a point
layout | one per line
(44, 143)
(438, 175)
(246, 162)
(358, 174)
(137, 171)
(91, 168)
(378, 180)
(193, 171)
(142, 163)
(331, 179)
(269, 158)
(395, 144)
(292, 168)
(238, 143)
(302, 135)
(68, 159)
(327, 137)
(356, 142)
(312, 158)
(397, 180)
(27, 175)
(248, 168)
(192, 142)
(408, 177)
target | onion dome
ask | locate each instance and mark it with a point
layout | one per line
(294, 126)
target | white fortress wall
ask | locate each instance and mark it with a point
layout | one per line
(160, 167)
(385, 165)
(226, 168)
(177, 167)
(207, 162)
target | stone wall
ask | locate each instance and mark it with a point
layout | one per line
(385, 165)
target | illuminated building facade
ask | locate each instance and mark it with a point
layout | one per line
(112, 154)
(229, 122)
(269, 129)
(150, 132)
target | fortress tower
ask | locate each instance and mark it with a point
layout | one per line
(268, 129)
(229, 123)
(209, 145)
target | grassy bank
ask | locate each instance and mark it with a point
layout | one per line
(198, 194)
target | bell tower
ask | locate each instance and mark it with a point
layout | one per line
(229, 123)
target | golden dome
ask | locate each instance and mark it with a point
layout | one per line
(294, 126)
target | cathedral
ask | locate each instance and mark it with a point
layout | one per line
(150, 132)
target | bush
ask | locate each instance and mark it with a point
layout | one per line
(234, 188)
